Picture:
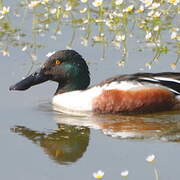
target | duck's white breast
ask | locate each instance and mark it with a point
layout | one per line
(77, 100)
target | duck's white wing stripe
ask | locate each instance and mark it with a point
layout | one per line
(149, 79)
(174, 91)
(123, 85)
(167, 79)
(159, 80)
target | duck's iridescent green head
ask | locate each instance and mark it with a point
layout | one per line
(66, 67)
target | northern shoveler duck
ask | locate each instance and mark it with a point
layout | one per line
(131, 93)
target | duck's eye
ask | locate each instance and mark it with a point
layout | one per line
(58, 62)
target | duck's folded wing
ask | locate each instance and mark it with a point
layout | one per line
(168, 80)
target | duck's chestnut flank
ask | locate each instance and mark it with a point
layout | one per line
(130, 93)
(134, 101)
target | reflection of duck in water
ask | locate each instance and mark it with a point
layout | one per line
(65, 145)
(136, 93)
(68, 143)
(162, 126)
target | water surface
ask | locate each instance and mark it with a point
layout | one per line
(38, 142)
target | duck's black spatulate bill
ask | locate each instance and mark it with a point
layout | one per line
(35, 78)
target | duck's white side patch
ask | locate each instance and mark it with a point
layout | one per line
(77, 100)
(82, 100)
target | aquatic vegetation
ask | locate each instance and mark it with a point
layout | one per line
(149, 23)
(151, 159)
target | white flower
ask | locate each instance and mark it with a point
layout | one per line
(68, 47)
(121, 63)
(129, 8)
(53, 11)
(116, 44)
(84, 1)
(47, 26)
(5, 10)
(154, 5)
(44, 1)
(1, 17)
(150, 13)
(98, 175)
(58, 32)
(46, 14)
(85, 21)
(124, 173)
(120, 37)
(175, 29)
(50, 54)
(150, 158)
(100, 20)
(5, 52)
(84, 41)
(83, 10)
(68, 7)
(153, 44)
(97, 3)
(148, 65)
(111, 15)
(141, 9)
(174, 2)
(147, 2)
(154, 14)
(33, 4)
(157, 14)
(117, 14)
(108, 23)
(24, 48)
(148, 35)
(118, 2)
(156, 28)
(173, 35)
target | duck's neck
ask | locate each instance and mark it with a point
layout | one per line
(73, 85)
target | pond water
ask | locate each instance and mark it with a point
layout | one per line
(37, 142)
